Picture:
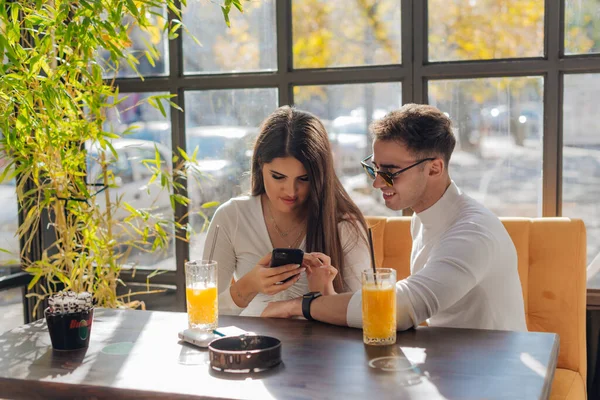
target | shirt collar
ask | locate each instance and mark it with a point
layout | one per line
(441, 213)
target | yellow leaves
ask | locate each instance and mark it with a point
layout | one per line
(488, 29)
(468, 47)
(582, 33)
(304, 93)
(577, 41)
(237, 47)
(314, 51)
(155, 32)
(478, 97)
(327, 34)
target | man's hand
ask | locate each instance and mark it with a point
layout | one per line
(283, 309)
(330, 309)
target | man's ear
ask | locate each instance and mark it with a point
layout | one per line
(437, 167)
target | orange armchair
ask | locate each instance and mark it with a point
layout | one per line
(552, 268)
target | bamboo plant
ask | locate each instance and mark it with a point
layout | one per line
(54, 99)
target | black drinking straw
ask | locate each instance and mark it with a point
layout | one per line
(212, 248)
(372, 255)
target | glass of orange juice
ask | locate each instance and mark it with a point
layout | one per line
(201, 294)
(379, 306)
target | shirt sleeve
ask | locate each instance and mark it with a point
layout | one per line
(457, 263)
(356, 254)
(455, 266)
(224, 254)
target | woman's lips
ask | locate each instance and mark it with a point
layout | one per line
(288, 200)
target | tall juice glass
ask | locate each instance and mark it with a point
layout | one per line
(201, 294)
(379, 306)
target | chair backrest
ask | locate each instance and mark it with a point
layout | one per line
(552, 267)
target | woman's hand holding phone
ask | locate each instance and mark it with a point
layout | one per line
(268, 279)
(264, 279)
(320, 273)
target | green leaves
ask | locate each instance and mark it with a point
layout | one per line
(226, 9)
(132, 8)
(156, 102)
(54, 101)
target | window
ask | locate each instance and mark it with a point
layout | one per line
(498, 124)
(9, 210)
(249, 45)
(494, 66)
(581, 162)
(9, 222)
(150, 132)
(346, 111)
(11, 300)
(140, 38)
(582, 26)
(336, 34)
(222, 125)
(485, 29)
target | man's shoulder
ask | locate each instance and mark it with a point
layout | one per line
(480, 229)
(475, 217)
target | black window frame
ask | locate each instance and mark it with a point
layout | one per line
(414, 73)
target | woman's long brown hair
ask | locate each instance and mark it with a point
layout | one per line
(288, 132)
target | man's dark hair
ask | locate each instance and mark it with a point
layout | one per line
(423, 129)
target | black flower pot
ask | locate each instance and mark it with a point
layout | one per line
(69, 331)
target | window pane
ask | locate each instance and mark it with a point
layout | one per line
(343, 109)
(132, 176)
(582, 26)
(11, 309)
(581, 162)
(336, 33)
(222, 125)
(498, 124)
(249, 45)
(9, 218)
(485, 29)
(140, 40)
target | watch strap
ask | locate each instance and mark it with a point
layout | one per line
(307, 299)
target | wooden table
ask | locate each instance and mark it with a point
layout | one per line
(136, 354)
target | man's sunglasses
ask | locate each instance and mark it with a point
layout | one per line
(388, 177)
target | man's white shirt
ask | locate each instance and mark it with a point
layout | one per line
(463, 270)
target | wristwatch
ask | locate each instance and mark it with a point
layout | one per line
(306, 300)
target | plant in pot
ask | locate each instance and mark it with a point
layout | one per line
(54, 100)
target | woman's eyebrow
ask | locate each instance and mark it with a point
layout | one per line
(278, 173)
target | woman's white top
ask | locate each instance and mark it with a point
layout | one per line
(243, 240)
(463, 270)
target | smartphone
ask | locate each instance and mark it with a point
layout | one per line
(203, 339)
(198, 338)
(282, 256)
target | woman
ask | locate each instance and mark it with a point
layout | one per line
(297, 201)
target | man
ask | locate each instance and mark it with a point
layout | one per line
(463, 262)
